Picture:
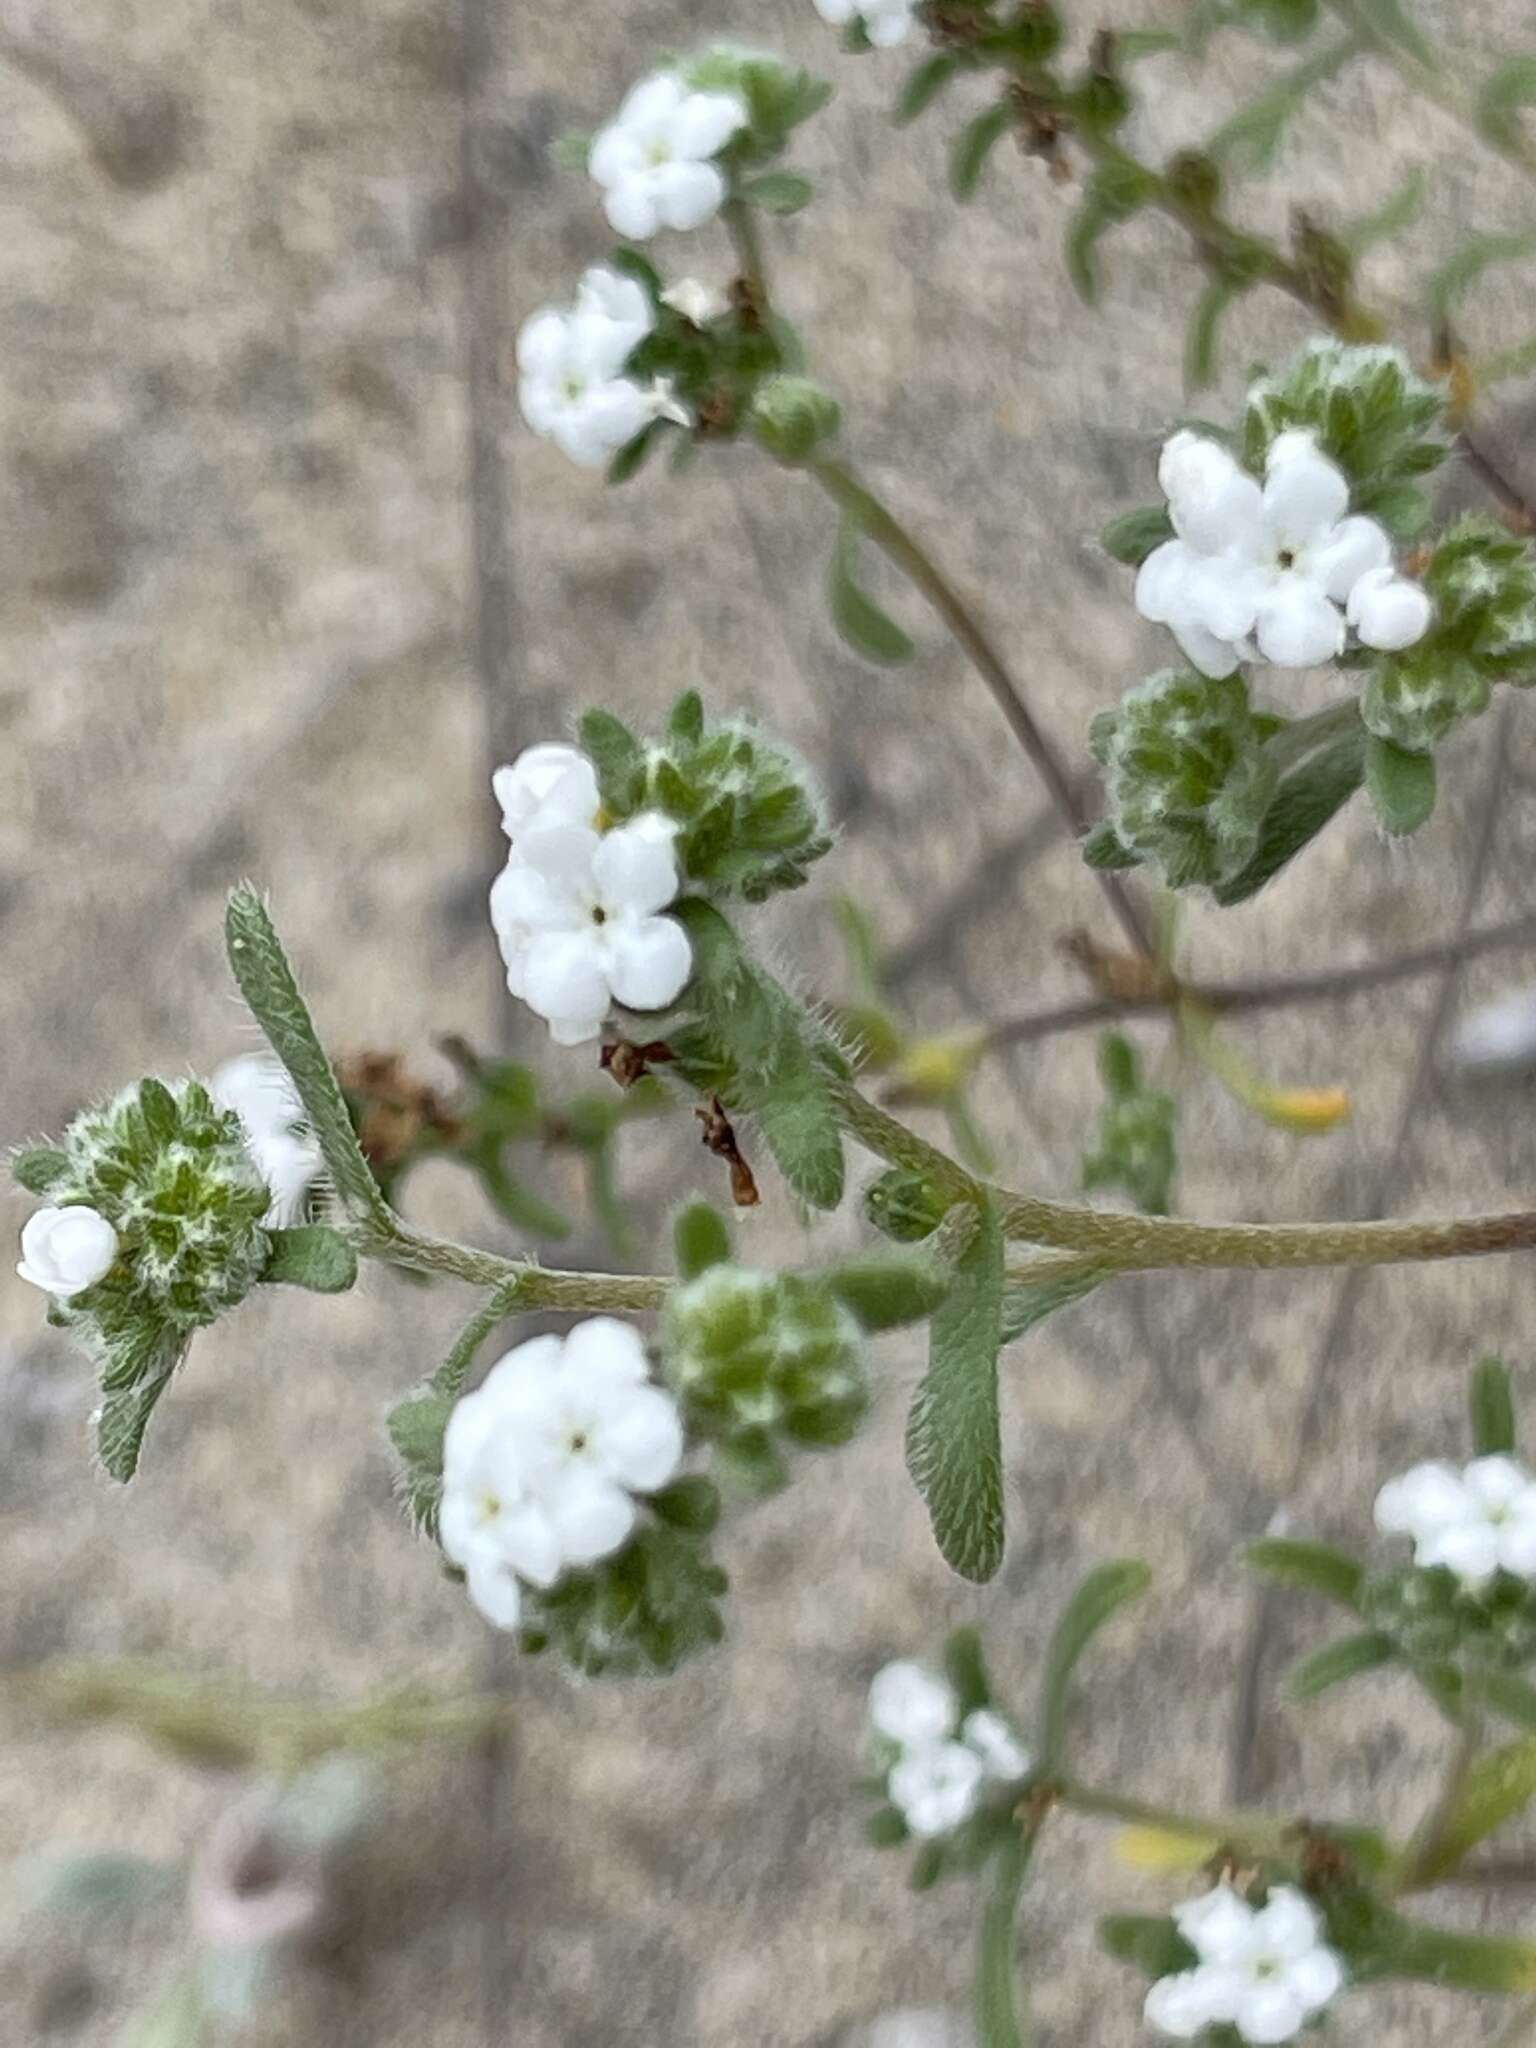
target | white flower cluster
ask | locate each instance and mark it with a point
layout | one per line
(570, 360)
(655, 159)
(286, 1152)
(937, 1780)
(542, 1463)
(1265, 1970)
(1476, 1521)
(576, 910)
(886, 22)
(1279, 572)
(66, 1250)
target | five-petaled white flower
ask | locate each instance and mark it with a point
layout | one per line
(937, 1780)
(654, 159)
(285, 1151)
(886, 22)
(571, 387)
(577, 916)
(1277, 572)
(936, 1787)
(66, 1250)
(543, 1462)
(1477, 1521)
(1265, 1970)
(1003, 1756)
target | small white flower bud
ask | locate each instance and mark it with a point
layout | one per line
(64, 1251)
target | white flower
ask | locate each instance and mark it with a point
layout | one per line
(64, 1251)
(549, 784)
(696, 301)
(1477, 1521)
(653, 160)
(1264, 572)
(285, 1152)
(661, 397)
(911, 1705)
(886, 22)
(1002, 1754)
(570, 361)
(935, 1787)
(576, 916)
(1498, 1037)
(542, 1463)
(1264, 1970)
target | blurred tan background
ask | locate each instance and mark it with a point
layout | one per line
(283, 579)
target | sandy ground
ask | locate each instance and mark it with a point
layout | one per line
(284, 580)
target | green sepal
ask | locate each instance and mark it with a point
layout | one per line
(616, 755)
(1133, 536)
(965, 1666)
(40, 1168)
(123, 1416)
(311, 1255)
(1308, 798)
(1150, 1943)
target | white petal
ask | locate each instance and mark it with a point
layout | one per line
(1355, 547)
(618, 300)
(639, 1442)
(1197, 475)
(616, 155)
(1218, 1924)
(1287, 1924)
(1315, 1976)
(631, 208)
(606, 1347)
(686, 195)
(649, 106)
(575, 1030)
(1223, 594)
(1211, 656)
(541, 343)
(591, 1517)
(1496, 1482)
(528, 1538)
(1428, 1496)
(1161, 581)
(936, 1788)
(1287, 446)
(1469, 1549)
(563, 856)
(1297, 627)
(634, 871)
(564, 979)
(1498, 1035)
(838, 12)
(1304, 499)
(911, 1704)
(551, 783)
(1002, 1754)
(1389, 611)
(1184, 2005)
(1269, 2012)
(648, 961)
(706, 121)
(1517, 1538)
(494, 1590)
(522, 1380)
(888, 25)
(696, 301)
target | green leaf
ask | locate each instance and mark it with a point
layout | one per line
(1104, 848)
(974, 144)
(1314, 1567)
(924, 85)
(1473, 257)
(954, 1436)
(452, 1373)
(1507, 93)
(863, 625)
(632, 457)
(1335, 1662)
(1510, 1696)
(1400, 785)
(685, 721)
(795, 1116)
(965, 1666)
(1398, 211)
(1389, 19)
(1088, 222)
(886, 1292)
(691, 1503)
(124, 1416)
(701, 1238)
(996, 1997)
(266, 981)
(1455, 1962)
(39, 1168)
(157, 1106)
(1148, 1942)
(1496, 1790)
(617, 757)
(311, 1255)
(1133, 536)
(1308, 798)
(1493, 1410)
(780, 192)
(1024, 1307)
(416, 1427)
(1251, 140)
(1204, 327)
(885, 1829)
(1096, 1602)
(1119, 1068)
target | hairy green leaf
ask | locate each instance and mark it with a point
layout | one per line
(885, 1292)
(925, 84)
(863, 625)
(1493, 1410)
(1346, 1658)
(1506, 95)
(39, 1168)
(617, 756)
(954, 1436)
(1096, 1602)
(1204, 328)
(1251, 140)
(1315, 1567)
(1389, 20)
(1024, 1307)
(781, 192)
(965, 1666)
(974, 144)
(311, 1255)
(1308, 798)
(123, 1417)
(1496, 1790)
(1400, 785)
(1133, 536)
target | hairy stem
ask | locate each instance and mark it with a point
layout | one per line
(998, 2020)
(520, 1284)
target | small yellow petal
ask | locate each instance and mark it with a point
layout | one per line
(1304, 1109)
(1163, 1849)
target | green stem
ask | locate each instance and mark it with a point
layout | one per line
(521, 1286)
(741, 225)
(1429, 1839)
(1254, 1833)
(998, 2020)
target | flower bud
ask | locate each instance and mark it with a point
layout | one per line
(761, 1359)
(902, 1205)
(792, 416)
(1185, 775)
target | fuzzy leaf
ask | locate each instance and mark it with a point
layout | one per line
(1473, 257)
(1335, 1662)
(1104, 848)
(1493, 1410)
(39, 1169)
(617, 757)
(924, 85)
(311, 1255)
(1095, 1603)
(1023, 1307)
(954, 1436)
(124, 1416)
(795, 1115)
(266, 981)
(1399, 210)
(1251, 140)
(1308, 798)
(862, 624)
(1133, 536)
(1400, 785)
(1204, 328)
(965, 1666)
(1389, 19)
(1316, 1567)
(685, 721)
(884, 1293)
(701, 1238)
(974, 144)
(691, 1503)
(1150, 1944)
(780, 192)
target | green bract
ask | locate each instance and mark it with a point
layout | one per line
(761, 1360)
(1186, 777)
(647, 1609)
(1434, 1619)
(1371, 415)
(1483, 583)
